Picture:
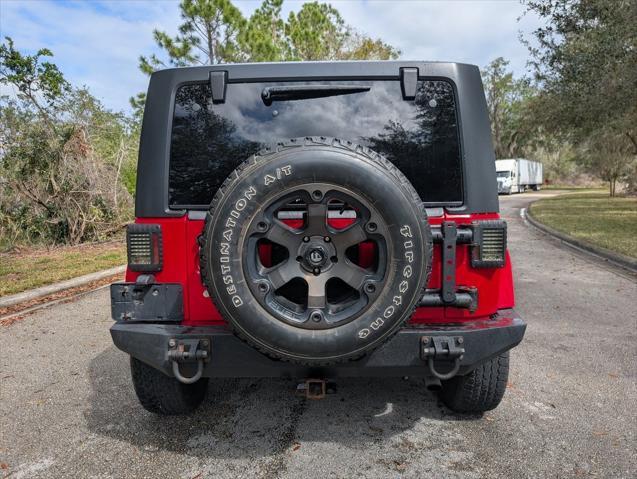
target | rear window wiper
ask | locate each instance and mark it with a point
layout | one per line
(304, 92)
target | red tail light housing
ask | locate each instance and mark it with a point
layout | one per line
(488, 248)
(144, 247)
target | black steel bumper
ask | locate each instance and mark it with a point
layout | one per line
(403, 355)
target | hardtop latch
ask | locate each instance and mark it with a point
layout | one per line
(445, 348)
(218, 85)
(409, 82)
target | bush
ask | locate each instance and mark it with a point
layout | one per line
(65, 160)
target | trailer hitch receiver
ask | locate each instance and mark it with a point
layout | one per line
(445, 348)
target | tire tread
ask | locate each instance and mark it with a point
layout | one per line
(479, 391)
(162, 394)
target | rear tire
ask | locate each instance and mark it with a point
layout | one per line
(164, 395)
(479, 391)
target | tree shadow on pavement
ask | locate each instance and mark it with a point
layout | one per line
(260, 417)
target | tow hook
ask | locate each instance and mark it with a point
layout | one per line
(188, 351)
(445, 348)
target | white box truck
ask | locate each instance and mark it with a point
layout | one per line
(516, 175)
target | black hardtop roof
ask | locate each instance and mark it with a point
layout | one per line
(479, 177)
(389, 69)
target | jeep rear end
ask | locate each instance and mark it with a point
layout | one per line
(377, 197)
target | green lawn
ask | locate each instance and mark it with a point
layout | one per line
(573, 188)
(36, 267)
(595, 218)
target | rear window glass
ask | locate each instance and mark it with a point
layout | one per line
(420, 137)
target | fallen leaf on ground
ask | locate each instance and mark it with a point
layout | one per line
(11, 320)
(67, 294)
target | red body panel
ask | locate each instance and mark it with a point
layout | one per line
(181, 265)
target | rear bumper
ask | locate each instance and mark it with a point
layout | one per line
(400, 356)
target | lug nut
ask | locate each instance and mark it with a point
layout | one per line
(327, 239)
(316, 317)
(172, 343)
(317, 271)
(371, 227)
(306, 239)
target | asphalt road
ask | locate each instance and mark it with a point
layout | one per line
(68, 408)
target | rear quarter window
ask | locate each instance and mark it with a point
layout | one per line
(208, 141)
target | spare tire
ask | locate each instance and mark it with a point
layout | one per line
(316, 250)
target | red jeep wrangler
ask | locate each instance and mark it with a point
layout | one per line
(317, 220)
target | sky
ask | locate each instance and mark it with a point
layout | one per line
(98, 43)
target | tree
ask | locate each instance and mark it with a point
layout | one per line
(318, 32)
(609, 157)
(207, 36)
(585, 60)
(498, 84)
(361, 47)
(514, 110)
(39, 82)
(509, 102)
(215, 31)
(263, 38)
(63, 156)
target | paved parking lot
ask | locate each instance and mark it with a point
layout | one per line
(68, 408)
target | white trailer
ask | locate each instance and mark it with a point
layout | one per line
(516, 175)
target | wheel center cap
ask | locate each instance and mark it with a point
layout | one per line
(315, 256)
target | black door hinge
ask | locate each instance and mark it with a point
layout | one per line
(450, 234)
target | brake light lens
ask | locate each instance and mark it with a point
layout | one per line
(488, 249)
(145, 249)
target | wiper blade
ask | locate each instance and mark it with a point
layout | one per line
(304, 92)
